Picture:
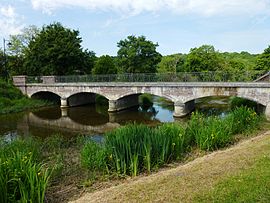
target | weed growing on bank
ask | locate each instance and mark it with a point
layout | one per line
(135, 149)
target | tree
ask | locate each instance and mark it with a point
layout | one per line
(57, 50)
(104, 65)
(19, 43)
(171, 63)
(137, 55)
(263, 60)
(204, 58)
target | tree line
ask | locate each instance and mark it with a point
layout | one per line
(56, 50)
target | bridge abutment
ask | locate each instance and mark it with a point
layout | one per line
(123, 103)
(182, 109)
(267, 111)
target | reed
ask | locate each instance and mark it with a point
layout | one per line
(22, 177)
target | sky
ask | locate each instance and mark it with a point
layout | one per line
(176, 25)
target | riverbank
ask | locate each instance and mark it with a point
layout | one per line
(12, 100)
(201, 179)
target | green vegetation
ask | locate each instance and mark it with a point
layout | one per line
(104, 65)
(133, 149)
(263, 60)
(12, 100)
(23, 178)
(251, 185)
(56, 50)
(237, 102)
(137, 55)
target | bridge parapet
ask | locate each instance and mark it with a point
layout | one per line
(217, 76)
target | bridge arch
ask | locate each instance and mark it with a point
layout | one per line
(258, 101)
(82, 98)
(47, 95)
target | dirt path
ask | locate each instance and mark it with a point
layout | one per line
(183, 182)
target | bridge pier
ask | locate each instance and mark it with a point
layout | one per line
(182, 109)
(123, 103)
(64, 103)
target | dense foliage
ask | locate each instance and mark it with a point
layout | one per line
(57, 50)
(263, 60)
(104, 65)
(137, 55)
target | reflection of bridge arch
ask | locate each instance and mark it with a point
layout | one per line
(66, 123)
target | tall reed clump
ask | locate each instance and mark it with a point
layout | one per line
(243, 119)
(211, 133)
(132, 149)
(22, 177)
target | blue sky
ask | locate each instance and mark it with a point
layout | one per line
(176, 25)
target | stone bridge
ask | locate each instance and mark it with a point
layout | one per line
(122, 95)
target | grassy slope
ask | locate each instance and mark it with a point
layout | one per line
(12, 100)
(204, 179)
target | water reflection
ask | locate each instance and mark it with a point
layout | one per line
(95, 120)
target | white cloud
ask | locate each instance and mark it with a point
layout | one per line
(133, 7)
(10, 21)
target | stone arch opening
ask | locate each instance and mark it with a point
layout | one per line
(86, 98)
(219, 105)
(48, 96)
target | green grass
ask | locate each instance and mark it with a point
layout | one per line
(251, 185)
(12, 100)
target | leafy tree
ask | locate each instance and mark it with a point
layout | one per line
(263, 60)
(137, 55)
(19, 43)
(104, 65)
(171, 63)
(57, 50)
(204, 58)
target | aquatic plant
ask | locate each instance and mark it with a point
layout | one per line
(22, 177)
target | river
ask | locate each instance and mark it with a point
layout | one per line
(94, 120)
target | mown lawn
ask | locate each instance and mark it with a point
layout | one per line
(251, 185)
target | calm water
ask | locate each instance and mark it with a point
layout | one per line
(95, 120)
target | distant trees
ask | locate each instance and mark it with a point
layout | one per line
(204, 58)
(171, 63)
(104, 65)
(57, 50)
(137, 55)
(263, 60)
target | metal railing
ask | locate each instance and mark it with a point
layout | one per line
(156, 77)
